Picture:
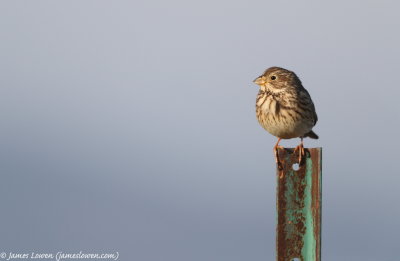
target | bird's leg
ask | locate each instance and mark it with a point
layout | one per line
(300, 148)
(276, 147)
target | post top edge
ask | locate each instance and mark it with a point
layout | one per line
(316, 148)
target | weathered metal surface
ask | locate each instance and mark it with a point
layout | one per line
(298, 232)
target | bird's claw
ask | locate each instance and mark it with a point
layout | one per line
(301, 151)
(278, 163)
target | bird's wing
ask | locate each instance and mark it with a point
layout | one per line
(306, 101)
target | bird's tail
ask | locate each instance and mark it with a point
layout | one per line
(311, 134)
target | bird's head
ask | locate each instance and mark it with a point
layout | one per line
(277, 79)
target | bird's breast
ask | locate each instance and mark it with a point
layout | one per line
(280, 120)
(267, 104)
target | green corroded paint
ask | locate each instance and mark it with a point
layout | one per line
(299, 207)
(308, 250)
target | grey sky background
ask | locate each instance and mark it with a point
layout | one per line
(130, 126)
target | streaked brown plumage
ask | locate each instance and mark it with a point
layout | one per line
(284, 107)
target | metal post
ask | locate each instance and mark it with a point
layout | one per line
(298, 232)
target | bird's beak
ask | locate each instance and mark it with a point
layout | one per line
(260, 80)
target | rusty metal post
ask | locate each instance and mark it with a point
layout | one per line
(298, 232)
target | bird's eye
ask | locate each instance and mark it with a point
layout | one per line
(273, 77)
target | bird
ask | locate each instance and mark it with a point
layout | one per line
(284, 108)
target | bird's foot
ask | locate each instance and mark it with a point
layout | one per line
(301, 151)
(278, 163)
